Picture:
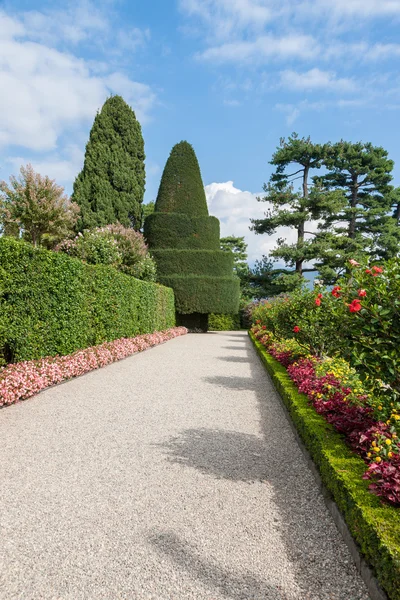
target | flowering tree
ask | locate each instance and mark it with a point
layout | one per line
(36, 207)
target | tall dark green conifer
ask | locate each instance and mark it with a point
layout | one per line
(185, 243)
(110, 187)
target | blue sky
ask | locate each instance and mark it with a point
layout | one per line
(230, 76)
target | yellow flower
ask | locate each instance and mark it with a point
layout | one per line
(369, 455)
(374, 443)
(388, 442)
(379, 407)
(390, 454)
(378, 459)
(376, 449)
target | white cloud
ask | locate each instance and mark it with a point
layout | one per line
(47, 92)
(262, 49)
(225, 17)
(315, 79)
(73, 24)
(234, 208)
(63, 167)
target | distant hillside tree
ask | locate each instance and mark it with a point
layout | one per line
(184, 241)
(110, 187)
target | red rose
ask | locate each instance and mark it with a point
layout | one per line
(362, 293)
(355, 306)
(296, 329)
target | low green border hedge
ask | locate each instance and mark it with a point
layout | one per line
(374, 526)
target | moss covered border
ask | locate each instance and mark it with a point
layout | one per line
(375, 527)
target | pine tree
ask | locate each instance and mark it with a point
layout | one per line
(110, 187)
(361, 173)
(184, 241)
(293, 207)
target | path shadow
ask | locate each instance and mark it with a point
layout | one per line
(223, 454)
(232, 382)
(237, 347)
(237, 359)
(228, 584)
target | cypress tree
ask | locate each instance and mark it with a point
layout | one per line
(110, 187)
(185, 243)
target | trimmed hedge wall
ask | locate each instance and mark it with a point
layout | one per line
(53, 304)
(202, 262)
(173, 230)
(201, 294)
(375, 526)
(224, 322)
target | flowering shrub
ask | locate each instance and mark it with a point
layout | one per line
(25, 379)
(336, 392)
(116, 245)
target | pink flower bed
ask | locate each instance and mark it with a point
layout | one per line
(22, 380)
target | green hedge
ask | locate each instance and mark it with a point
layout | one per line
(53, 304)
(202, 262)
(374, 526)
(202, 294)
(224, 322)
(173, 230)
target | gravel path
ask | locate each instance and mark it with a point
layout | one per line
(171, 475)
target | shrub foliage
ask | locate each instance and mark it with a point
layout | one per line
(53, 304)
(224, 322)
(116, 245)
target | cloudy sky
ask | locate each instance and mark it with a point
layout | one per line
(230, 76)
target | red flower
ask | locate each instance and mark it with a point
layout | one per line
(296, 329)
(355, 306)
(362, 293)
(368, 271)
(377, 271)
(264, 327)
(336, 291)
(318, 301)
(320, 296)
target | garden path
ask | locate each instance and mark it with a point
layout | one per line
(170, 475)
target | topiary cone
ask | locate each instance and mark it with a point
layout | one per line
(185, 243)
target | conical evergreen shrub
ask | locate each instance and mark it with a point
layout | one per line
(184, 241)
(110, 187)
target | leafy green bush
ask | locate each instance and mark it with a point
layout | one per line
(116, 245)
(224, 322)
(359, 320)
(53, 304)
(317, 328)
